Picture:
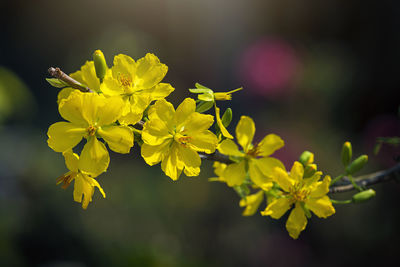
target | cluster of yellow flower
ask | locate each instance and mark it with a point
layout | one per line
(127, 101)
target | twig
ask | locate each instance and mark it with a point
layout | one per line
(216, 156)
(59, 74)
(369, 179)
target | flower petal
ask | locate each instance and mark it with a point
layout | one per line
(160, 91)
(183, 111)
(154, 154)
(268, 164)
(228, 147)
(64, 94)
(297, 171)
(149, 71)
(94, 157)
(296, 222)
(322, 207)
(119, 138)
(235, 173)
(204, 142)
(110, 111)
(170, 164)
(87, 76)
(155, 132)
(197, 123)
(64, 135)
(251, 202)
(164, 111)
(84, 187)
(111, 86)
(277, 208)
(282, 178)
(270, 144)
(123, 65)
(256, 175)
(190, 159)
(72, 108)
(245, 132)
(322, 188)
(71, 160)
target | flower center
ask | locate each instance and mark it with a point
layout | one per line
(182, 140)
(126, 83)
(299, 194)
(65, 179)
(253, 152)
(91, 130)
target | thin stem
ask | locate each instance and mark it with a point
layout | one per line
(59, 74)
(334, 181)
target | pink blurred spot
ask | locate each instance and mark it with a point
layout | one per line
(268, 67)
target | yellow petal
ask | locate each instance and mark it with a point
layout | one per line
(87, 76)
(64, 135)
(322, 188)
(119, 138)
(170, 165)
(94, 157)
(269, 145)
(256, 175)
(155, 132)
(164, 111)
(235, 173)
(204, 142)
(71, 160)
(197, 123)
(251, 202)
(160, 91)
(322, 207)
(245, 132)
(64, 94)
(111, 86)
(154, 154)
(277, 208)
(219, 168)
(297, 172)
(228, 147)
(110, 112)
(84, 188)
(296, 222)
(139, 102)
(72, 108)
(268, 164)
(130, 118)
(187, 107)
(282, 179)
(149, 71)
(221, 126)
(123, 66)
(190, 159)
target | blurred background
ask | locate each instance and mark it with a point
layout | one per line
(317, 73)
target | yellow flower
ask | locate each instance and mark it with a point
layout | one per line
(218, 170)
(223, 96)
(254, 158)
(84, 182)
(138, 83)
(305, 193)
(175, 137)
(251, 202)
(90, 115)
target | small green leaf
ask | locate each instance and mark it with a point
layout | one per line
(201, 91)
(206, 97)
(203, 106)
(227, 117)
(199, 86)
(57, 82)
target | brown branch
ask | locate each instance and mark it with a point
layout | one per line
(216, 156)
(369, 179)
(59, 74)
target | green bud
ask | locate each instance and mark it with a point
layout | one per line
(100, 64)
(306, 158)
(346, 153)
(309, 170)
(357, 164)
(363, 196)
(227, 117)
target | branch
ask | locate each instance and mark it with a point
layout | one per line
(216, 156)
(59, 74)
(369, 179)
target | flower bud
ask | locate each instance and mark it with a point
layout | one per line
(363, 196)
(357, 164)
(306, 158)
(227, 117)
(309, 170)
(100, 64)
(346, 153)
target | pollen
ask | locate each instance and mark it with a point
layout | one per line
(299, 194)
(91, 130)
(125, 81)
(65, 179)
(254, 152)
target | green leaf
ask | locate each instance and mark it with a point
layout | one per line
(227, 117)
(199, 86)
(57, 82)
(203, 106)
(200, 91)
(206, 97)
